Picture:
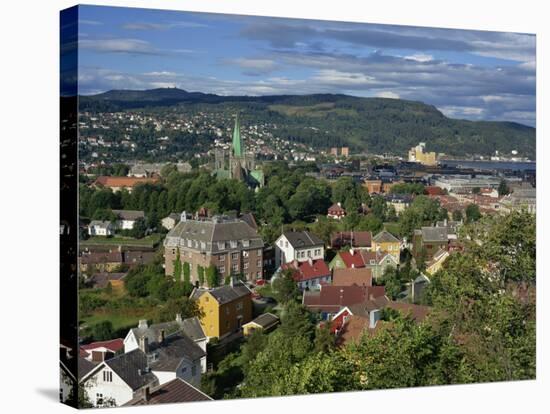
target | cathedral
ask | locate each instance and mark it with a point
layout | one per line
(238, 164)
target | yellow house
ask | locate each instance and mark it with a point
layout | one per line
(437, 262)
(387, 243)
(225, 309)
(264, 322)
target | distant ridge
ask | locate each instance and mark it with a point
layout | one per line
(373, 124)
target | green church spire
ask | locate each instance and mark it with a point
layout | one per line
(237, 141)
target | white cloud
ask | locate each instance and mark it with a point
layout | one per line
(420, 57)
(387, 94)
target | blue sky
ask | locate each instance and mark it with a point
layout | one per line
(466, 74)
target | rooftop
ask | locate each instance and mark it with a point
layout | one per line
(174, 391)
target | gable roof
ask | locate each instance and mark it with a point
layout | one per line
(265, 320)
(109, 181)
(360, 276)
(385, 237)
(84, 367)
(299, 239)
(417, 312)
(434, 234)
(336, 208)
(209, 232)
(306, 270)
(174, 391)
(104, 224)
(132, 368)
(193, 329)
(113, 345)
(249, 219)
(167, 356)
(352, 258)
(224, 294)
(331, 298)
(129, 214)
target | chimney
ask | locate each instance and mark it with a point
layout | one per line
(142, 324)
(351, 251)
(353, 265)
(144, 344)
(146, 394)
(178, 317)
(374, 317)
(183, 216)
(310, 261)
(161, 336)
(231, 281)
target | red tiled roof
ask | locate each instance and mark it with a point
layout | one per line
(360, 276)
(352, 260)
(417, 312)
(306, 270)
(434, 190)
(109, 181)
(113, 345)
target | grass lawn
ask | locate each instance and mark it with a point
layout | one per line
(148, 241)
(393, 228)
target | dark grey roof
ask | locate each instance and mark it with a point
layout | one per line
(265, 320)
(249, 219)
(129, 214)
(190, 327)
(193, 329)
(84, 366)
(300, 239)
(168, 355)
(132, 368)
(434, 234)
(214, 235)
(224, 294)
(385, 237)
(152, 332)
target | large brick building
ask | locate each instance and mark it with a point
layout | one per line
(229, 244)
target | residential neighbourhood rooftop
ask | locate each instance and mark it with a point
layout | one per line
(300, 239)
(174, 391)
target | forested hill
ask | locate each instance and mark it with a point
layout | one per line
(376, 125)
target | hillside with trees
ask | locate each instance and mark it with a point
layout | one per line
(377, 125)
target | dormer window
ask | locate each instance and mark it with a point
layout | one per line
(246, 243)
(221, 245)
(233, 244)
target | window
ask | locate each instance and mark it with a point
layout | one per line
(227, 311)
(107, 376)
(184, 369)
(222, 257)
(245, 265)
(286, 244)
(245, 253)
(222, 269)
(233, 244)
(235, 267)
(234, 256)
(259, 252)
(246, 243)
(239, 306)
(99, 399)
(309, 253)
(259, 263)
(173, 251)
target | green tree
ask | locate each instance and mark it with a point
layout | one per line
(212, 277)
(472, 213)
(457, 215)
(324, 339)
(284, 287)
(102, 331)
(503, 188)
(200, 273)
(186, 272)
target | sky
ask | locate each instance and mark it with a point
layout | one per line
(476, 75)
